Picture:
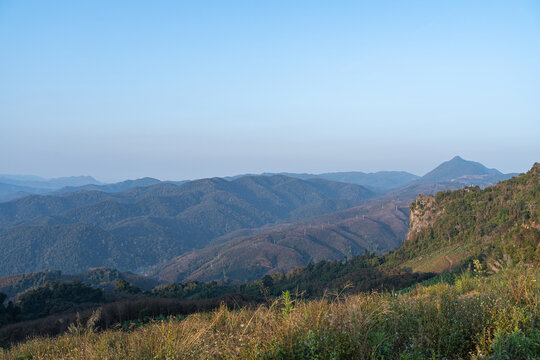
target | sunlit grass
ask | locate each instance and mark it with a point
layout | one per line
(429, 322)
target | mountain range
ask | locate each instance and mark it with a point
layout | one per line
(380, 181)
(17, 186)
(494, 232)
(233, 229)
(143, 226)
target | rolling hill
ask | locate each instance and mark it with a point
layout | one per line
(245, 257)
(143, 226)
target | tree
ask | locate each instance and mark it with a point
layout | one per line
(125, 287)
(2, 299)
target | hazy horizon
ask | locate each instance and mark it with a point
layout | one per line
(245, 173)
(176, 90)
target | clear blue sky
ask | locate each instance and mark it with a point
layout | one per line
(188, 89)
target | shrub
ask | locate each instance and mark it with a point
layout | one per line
(517, 345)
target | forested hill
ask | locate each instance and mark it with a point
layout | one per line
(500, 224)
(103, 278)
(143, 226)
(246, 256)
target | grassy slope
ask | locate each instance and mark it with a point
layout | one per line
(473, 317)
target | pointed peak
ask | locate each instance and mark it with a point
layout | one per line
(455, 168)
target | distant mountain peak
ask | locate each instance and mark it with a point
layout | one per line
(455, 168)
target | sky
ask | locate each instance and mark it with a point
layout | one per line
(191, 89)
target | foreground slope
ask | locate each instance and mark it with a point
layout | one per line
(476, 318)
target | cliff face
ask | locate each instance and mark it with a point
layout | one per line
(424, 212)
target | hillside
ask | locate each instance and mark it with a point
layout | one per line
(500, 224)
(475, 318)
(142, 226)
(241, 257)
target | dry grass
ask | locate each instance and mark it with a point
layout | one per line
(439, 261)
(456, 321)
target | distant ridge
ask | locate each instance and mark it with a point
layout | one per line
(42, 183)
(380, 181)
(18, 186)
(114, 187)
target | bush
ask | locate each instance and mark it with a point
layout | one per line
(517, 345)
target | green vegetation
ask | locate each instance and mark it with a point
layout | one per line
(499, 225)
(14, 284)
(360, 273)
(477, 317)
(102, 278)
(55, 297)
(8, 313)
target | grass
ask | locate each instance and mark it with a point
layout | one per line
(441, 260)
(471, 317)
